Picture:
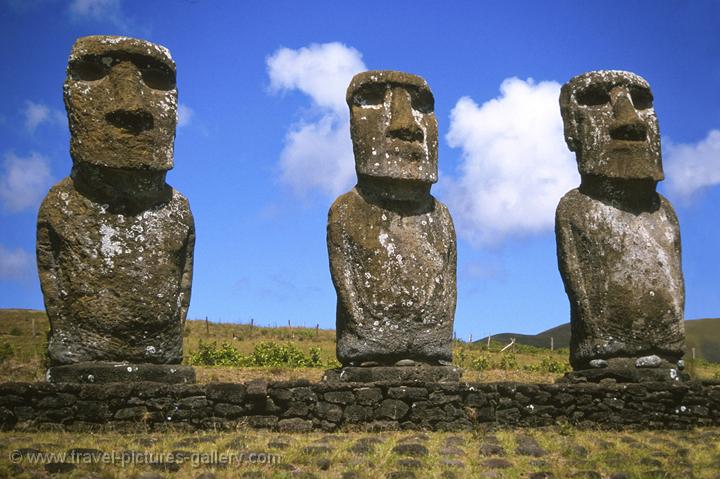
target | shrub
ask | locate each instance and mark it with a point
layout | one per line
(459, 356)
(209, 354)
(270, 353)
(480, 363)
(265, 354)
(15, 331)
(508, 362)
(550, 365)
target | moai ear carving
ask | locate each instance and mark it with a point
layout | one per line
(618, 240)
(391, 244)
(115, 242)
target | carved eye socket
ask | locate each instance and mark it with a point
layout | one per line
(370, 95)
(158, 78)
(423, 101)
(593, 96)
(641, 98)
(88, 69)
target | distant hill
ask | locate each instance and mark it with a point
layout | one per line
(701, 334)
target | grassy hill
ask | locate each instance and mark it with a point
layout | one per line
(701, 334)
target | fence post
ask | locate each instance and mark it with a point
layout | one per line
(207, 326)
(552, 343)
(317, 330)
(33, 326)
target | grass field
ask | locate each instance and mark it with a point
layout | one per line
(561, 451)
(521, 363)
(558, 452)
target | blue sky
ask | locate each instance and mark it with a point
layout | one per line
(263, 145)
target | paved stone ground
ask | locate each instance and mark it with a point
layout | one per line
(558, 452)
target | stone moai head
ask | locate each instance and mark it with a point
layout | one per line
(393, 128)
(121, 101)
(610, 124)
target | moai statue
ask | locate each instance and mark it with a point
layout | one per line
(618, 240)
(114, 241)
(391, 243)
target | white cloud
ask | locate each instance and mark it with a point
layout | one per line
(15, 264)
(515, 164)
(99, 10)
(317, 155)
(690, 168)
(185, 114)
(24, 181)
(38, 113)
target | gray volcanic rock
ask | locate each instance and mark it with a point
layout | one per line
(618, 240)
(114, 241)
(391, 243)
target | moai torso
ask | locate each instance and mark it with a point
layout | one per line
(114, 282)
(623, 275)
(618, 240)
(395, 276)
(391, 244)
(115, 242)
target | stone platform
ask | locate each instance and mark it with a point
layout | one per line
(625, 375)
(418, 373)
(302, 406)
(120, 372)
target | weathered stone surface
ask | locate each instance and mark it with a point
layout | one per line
(410, 449)
(618, 239)
(625, 375)
(421, 373)
(138, 406)
(391, 243)
(652, 361)
(104, 372)
(114, 241)
(528, 446)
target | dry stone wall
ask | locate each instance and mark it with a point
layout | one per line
(300, 406)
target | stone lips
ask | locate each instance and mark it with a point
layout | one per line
(618, 240)
(121, 101)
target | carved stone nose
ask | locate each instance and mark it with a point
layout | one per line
(131, 116)
(132, 121)
(403, 125)
(627, 124)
